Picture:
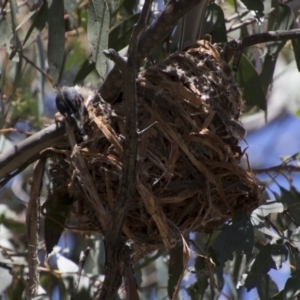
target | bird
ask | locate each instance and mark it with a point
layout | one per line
(70, 103)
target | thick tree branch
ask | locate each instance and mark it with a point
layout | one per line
(116, 254)
(156, 33)
(26, 152)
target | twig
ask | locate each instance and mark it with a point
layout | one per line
(35, 66)
(114, 243)
(156, 33)
(278, 169)
(32, 224)
(83, 256)
(240, 25)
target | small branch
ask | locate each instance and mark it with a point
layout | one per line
(120, 61)
(35, 66)
(83, 256)
(32, 224)
(240, 25)
(278, 169)
(271, 36)
(156, 33)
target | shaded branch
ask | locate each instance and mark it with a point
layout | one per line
(115, 250)
(271, 36)
(29, 150)
(155, 34)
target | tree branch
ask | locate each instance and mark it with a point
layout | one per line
(156, 33)
(116, 254)
(26, 152)
(278, 169)
(270, 36)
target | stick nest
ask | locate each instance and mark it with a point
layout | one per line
(188, 173)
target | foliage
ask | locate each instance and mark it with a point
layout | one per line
(46, 44)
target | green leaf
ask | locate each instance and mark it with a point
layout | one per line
(291, 289)
(281, 19)
(57, 211)
(119, 36)
(259, 214)
(97, 29)
(37, 25)
(70, 5)
(256, 5)
(263, 263)
(199, 287)
(13, 225)
(296, 48)
(279, 254)
(239, 236)
(266, 287)
(291, 201)
(5, 34)
(86, 68)
(250, 83)
(56, 40)
(17, 290)
(215, 23)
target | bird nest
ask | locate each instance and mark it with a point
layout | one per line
(188, 173)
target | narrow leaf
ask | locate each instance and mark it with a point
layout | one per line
(264, 210)
(97, 29)
(296, 47)
(37, 25)
(256, 5)
(215, 23)
(239, 236)
(263, 263)
(250, 84)
(291, 289)
(5, 34)
(119, 36)
(85, 69)
(56, 43)
(281, 19)
(291, 201)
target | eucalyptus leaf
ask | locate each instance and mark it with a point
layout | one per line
(5, 34)
(238, 236)
(279, 254)
(256, 5)
(263, 263)
(215, 23)
(250, 83)
(119, 36)
(85, 69)
(56, 42)
(296, 48)
(70, 5)
(281, 19)
(291, 289)
(291, 201)
(258, 215)
(37, 25)
(266, 287)
(97, 29)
